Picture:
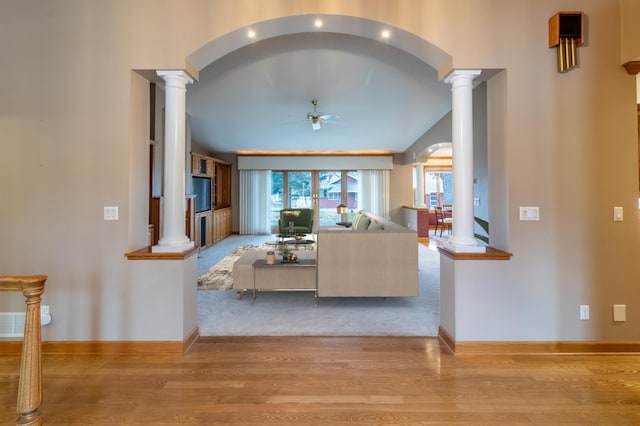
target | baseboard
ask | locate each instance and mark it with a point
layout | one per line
(106, 347)
(190, 340)
(539, 348)
(446, 340)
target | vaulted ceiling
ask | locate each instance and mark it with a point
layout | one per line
(255, 99)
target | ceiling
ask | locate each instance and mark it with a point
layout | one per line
(255, 99)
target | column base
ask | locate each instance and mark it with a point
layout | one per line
(173, 248)
(464, 248)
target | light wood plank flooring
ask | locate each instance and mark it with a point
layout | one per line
(331, 381)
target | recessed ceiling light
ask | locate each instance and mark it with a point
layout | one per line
(318, 23)
(251, 34)
(386, 33)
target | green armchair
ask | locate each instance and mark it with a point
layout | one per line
(302, 221)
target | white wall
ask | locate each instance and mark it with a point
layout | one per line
(73, 143)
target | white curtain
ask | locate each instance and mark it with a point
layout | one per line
(373, 190)
(255, 203)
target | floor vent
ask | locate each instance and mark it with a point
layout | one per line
(12, 324)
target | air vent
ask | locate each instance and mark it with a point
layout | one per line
(12, 324)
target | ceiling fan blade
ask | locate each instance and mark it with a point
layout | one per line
(339, 122)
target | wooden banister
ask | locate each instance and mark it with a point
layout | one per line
(30, 385)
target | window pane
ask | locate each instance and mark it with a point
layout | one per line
(329, 197)
(277, 196)
(300, 190)
(353, 177)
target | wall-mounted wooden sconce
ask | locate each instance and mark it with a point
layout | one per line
(566, 32)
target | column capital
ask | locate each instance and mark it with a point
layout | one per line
(457, 75)
(175, 74)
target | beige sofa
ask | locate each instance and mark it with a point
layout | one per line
(381, 261)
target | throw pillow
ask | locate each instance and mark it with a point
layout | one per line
(375, 226)
(356, 218)
(363, 223)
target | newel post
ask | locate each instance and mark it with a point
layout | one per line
(30, 384)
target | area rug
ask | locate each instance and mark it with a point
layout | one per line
(300, 313)
(220, 275)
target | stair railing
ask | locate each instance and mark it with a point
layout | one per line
(30, 385)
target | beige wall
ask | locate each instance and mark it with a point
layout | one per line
(73, 141)
(629, 12)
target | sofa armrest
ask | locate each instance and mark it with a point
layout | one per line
(369, 263)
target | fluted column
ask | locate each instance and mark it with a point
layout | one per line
(462, 239)
(420, 185)
(173, 236)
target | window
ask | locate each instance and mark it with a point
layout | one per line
(322, 191)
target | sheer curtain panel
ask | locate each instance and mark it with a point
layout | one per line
(373, 190)
(255, 204)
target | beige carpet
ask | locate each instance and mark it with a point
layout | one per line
(219, 276)
(300, 313)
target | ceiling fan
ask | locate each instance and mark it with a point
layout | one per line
(316, 117)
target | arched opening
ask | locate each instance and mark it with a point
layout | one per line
(408, 43)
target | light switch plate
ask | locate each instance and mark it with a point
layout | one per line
(584, 312)
(111, 213)
(619, 313)
(618, 214)
(529, 213)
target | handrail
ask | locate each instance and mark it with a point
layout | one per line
(30, 385)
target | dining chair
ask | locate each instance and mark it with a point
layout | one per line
(442, 220)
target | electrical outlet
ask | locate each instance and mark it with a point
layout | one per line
(584, 312)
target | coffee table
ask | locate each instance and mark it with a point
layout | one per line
(291, 276)
(282, 239)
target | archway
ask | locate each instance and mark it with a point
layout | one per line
(402, 40)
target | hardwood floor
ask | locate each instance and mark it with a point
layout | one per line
(331, 381)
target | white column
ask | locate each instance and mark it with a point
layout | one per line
(173, 233)
(462, 239)
(420, 185)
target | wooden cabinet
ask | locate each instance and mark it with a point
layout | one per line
(204, 228)
(215, 224)
(222, 186)
(221, 224)
(201, 165)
